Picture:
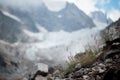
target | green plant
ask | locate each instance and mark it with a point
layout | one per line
(85, 58)
(71, 63)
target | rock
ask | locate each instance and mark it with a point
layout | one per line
(101, 70)
(112, 74)
(118, 74)
(91, 73)
(109, 75)
(56, 73)
(108, 61)
(51, 70)
(42, 67)
(58, 79)
(81, 71)
(111, 53)
(25, 79)
(101, 65)
(40, 78)
(96, 63)
(98, 78)
(78, 66)
(95, 69)
(116, 56)
(50, 77)
(77, 74)
(42, 71)
(86, 77)
(39, 73)
(86, 70)
(70, 75)
(113, 30)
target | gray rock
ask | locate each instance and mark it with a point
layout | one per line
(86, 77)
(42, 67)
(70, 75)
(81, 71)
(101, 70)
(108, 61)
(58, 79)
(98, 77)
(78, 66)
(77, 74)
(40, 78)
(101, 65)
(111, 53)
(56, 73)
(87, 70)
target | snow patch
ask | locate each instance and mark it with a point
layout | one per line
(11, 16)
(40, 28)
(59, 16)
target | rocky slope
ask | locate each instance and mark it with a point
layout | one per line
(105, 67)
(12, 62)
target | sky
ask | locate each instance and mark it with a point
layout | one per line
(111, 7)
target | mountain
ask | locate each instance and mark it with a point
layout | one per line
(14, 21)
(100, 17)
(69, 19)
(9, 28)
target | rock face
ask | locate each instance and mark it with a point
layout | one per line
(8, 63)
(100, 17)
(12, 63)
(112, 31)
(42, 71)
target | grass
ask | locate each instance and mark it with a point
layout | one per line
(88, 57)
(85, 58)
(71, 63)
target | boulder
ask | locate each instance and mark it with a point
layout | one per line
(42, 71)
